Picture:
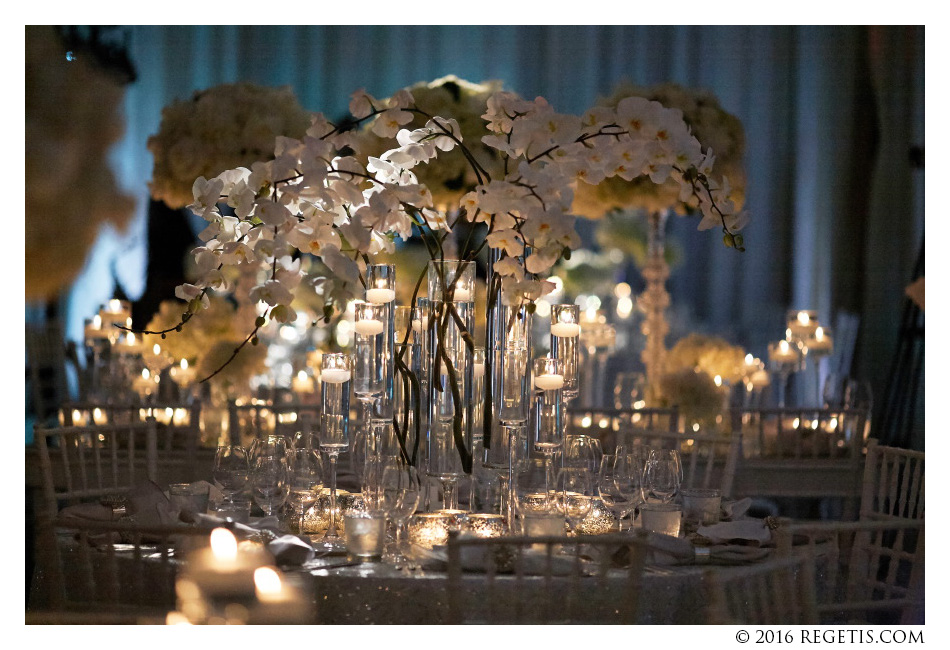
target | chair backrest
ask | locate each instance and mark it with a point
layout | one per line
(83, 463)
(708, 459)
(46, 361)
(866, 571)
(247, 422)
(612, 425)
(802, 433)
(776, 592)
(893, 483)
(177, 431)
(112, 567)
(584, 579)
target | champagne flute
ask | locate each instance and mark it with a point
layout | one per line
(615, 488)
(269, 483)
(574, 495)
(335, 379)
(305, 481)
(231, 469)
(663, 474)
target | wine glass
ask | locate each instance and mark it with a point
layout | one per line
(270, 444)
(335, 376)
(574, 494)
(231, 469)
(269, 483)
(583, 451)
(305, 479)
(615, 487)
(662, 475)
(401, 490)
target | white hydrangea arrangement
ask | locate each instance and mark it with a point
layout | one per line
(309, 200)
(715, 129)
(709, 354)
(218, 129)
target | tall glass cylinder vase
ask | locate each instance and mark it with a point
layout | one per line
(452, 317)
(549, 408)
(369, 370)
(654, 302)
(381, 291)
(335, 376)
(565, 334)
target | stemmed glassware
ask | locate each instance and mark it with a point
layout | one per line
(549, 438)
(305, 480)
(401, 490)
(369, 372)
(335, 377)
(269, 483)
(574, 495)
(507, 446)
(662, 475)
(583, 451)
(231, 470)
(616, 486)
(785, 357)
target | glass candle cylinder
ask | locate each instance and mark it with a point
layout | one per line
(565, 334)
(381, 291)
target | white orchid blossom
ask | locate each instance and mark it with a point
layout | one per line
(309, 200)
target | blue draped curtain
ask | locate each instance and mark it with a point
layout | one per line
(830, 114)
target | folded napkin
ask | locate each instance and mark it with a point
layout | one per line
(668, 550)
(751, 530)
(146, 505)
(288, 550)
(732, 510)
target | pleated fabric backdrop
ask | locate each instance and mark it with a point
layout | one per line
(830, 114)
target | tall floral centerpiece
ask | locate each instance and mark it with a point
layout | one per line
(219, 128)
(720, 138)
(311, 200)
(698, 374)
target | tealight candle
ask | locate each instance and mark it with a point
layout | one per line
(380, 296)
(783, 352)
(478, 370)
(801, 324)
(368, 327)
(462, 294)
(94, 329)
(221, 570)
(549, 382)
(565, 330)
(821, 343)
(486, 525)
(302, 383)
(335, 375)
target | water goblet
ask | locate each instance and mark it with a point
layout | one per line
(401, 491)
(616, 489)
(269, 483)
(305, 481)
(662, 475)
(574, 495)
(231, 469)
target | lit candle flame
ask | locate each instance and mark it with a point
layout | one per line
(97, 322)
(145, 373)
(819, 333)
(803, 317)
(749, 359)
(267, 583)
(783, 346)
(156, 349)
(184, 364)
(302, 375)
(223, 545)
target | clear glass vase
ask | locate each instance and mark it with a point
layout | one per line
(450, 348)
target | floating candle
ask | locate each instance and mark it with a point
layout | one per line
(380, 296)
(335, 375)
(565, 330)
(821, 343)
(462, 294)
(368, 327)
(549, 382)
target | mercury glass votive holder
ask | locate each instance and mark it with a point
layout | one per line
(599, 521)
(317, 518)
(429, 529)
(486, 525)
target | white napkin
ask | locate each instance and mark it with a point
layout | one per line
(678, 550)
(290, 550)
(753, 530)
(732, 510)
(147, 505)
